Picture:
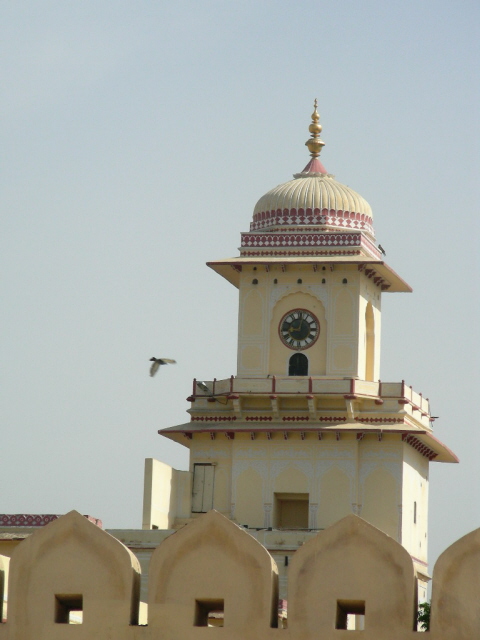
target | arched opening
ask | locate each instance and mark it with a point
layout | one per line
(298, 365)
(370, 343)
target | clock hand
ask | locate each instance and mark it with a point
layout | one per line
(295, 326)
(291, 328)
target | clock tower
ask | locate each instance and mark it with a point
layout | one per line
(306, 432)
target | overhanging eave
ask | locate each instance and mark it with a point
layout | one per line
(230, 268)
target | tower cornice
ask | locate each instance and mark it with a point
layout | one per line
(388, 279)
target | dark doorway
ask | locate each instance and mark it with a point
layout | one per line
(298, 365)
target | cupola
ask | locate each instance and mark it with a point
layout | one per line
(313, 202)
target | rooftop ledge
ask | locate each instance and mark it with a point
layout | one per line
(383, 275)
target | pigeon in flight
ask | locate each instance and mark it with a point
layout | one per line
(157, 362)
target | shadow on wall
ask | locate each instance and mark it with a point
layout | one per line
(212, 573)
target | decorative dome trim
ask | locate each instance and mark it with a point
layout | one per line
(315, 217)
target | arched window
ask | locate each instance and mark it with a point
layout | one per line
(298, 365)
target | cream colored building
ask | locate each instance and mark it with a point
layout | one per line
(306, 432)
(290, 451)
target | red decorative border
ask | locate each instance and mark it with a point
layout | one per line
(332, 217)
(419, 446)
(302, 240)
(376, 420)
(355, 252)
(213, 418)
(36, 520)
(26, 519)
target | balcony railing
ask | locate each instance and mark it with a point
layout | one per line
(311, 385)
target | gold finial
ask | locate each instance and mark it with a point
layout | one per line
(314, 144)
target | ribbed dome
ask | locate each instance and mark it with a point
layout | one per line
(313, 198)
(312, 192)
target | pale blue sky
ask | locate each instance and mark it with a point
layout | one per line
(136, 139)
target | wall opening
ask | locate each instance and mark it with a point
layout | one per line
(369, 343)
(209, 613)
(202, 490)
(69, 609)
(350, 615)
(291, 510)
(298, 365)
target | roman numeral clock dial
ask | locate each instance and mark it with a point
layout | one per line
(299, 329)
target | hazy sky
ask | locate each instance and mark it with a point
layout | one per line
(136, 139)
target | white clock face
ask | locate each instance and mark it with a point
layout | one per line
(299, 329)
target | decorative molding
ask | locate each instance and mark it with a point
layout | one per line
(304, 466)
(281, 291)
(352, 252)
(419, 446)
(301, 240)
(361, 418)
(330, 217)
(36, 520)
(26, 520)
(259, 466)
(344, 464)
(213, 418)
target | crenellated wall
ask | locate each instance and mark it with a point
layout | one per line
(212, 573)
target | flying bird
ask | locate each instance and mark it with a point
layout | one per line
(157, 362)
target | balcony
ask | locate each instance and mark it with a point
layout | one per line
(321, 389)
